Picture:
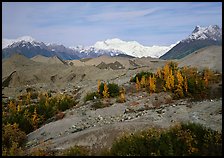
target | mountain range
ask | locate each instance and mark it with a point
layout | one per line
(201, 37)
(29, 47)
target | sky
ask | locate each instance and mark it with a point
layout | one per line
(85, 23)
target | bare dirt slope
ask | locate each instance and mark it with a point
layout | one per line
(210, 57)
(47, 60)
(98, 128)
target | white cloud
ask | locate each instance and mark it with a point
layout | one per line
(121, 15)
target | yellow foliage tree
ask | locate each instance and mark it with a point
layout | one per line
(122, 95)
(166, 71)
(179, 91)
(180, 84)
(28, 98)
(180, 78)
(98, 86)
(46, 100)
(105, 91)
(137, 84)
(12, 106)
(26, 114)
(19, 106)
(185, 84)
(158, 73)
(35, 119)
(143, 82)
(207, 76)
(152, 84)
(169, 81)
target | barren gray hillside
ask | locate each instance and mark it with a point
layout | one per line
(48, 60)
(210, 57)
(97, 129)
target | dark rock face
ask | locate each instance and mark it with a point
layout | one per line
(115, 66)
(183, 49)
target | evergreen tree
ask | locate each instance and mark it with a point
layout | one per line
(98, 86)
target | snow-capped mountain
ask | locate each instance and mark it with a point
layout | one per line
(29, 47)
(8, 42)
(199, 38)
(132, 48)
(91, 51)
(212, 32)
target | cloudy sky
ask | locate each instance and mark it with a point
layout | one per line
(84, 23)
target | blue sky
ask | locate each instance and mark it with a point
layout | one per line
(84, 23)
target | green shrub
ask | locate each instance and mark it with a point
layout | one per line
(181, 140)
(65, 104)
(14, 150)
(76, 151)
(45, 110)
(33, 95)
(90, 96)
(140, 75)
(98, 104)
(24, 123)
(101, 89)
(113, 89)
(12, 136)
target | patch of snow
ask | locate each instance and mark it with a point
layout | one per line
(133, 48)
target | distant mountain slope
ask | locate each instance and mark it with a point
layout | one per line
(201, 37)
(210, 57)
(29, 47)
(132, 48)
(48, 60)
(33, 48)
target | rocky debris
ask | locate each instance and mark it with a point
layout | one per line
(88, 120)
(114, 66)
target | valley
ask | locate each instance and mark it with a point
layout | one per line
(97, 129)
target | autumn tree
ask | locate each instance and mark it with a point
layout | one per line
(46, 100)
(152, 84)
(105, 91)
(173, 66)
(185, 84)
(207, 75)
(158, 73)
(166, 71)
(19, 106)
(122, 95)
(169, 82)
(28, 98)
(137, 84)
(12, 106)
(143, 82)
(35, 119)
(179, 86)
